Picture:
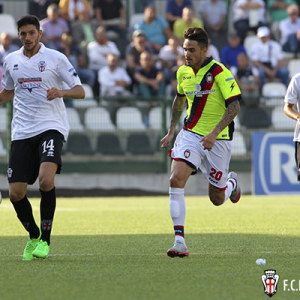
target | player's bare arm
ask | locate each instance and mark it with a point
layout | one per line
(177, 108)
(290, 112)
(230, 113)
(77, 92)
(6, 95)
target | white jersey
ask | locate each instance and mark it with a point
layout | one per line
(293, 97)
(30, 78)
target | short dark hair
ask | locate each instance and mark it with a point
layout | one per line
(197, 34)
(28, 20)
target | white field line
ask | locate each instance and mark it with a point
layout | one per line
(140, 254)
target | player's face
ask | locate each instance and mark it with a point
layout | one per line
(30, 38)
(194, 54)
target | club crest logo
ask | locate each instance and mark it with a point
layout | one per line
(9, 172)
(270, 281)
(42, 66)
(209, 78)
(187, 153)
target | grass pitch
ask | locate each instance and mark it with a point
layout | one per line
(115, 248)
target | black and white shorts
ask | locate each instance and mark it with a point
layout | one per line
(26, 156)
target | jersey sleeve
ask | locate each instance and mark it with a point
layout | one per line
(292, 93)
(180, 90)
(228, 86)
(7, 81)
(67, 72)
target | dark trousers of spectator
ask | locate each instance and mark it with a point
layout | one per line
(242, 27)
(147, 92)
(282, 74)
(292, 44)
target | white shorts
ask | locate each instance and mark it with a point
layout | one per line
(214, 164)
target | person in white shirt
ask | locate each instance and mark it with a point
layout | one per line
(99, 49)
(113, 80)
(266, 56)
(292, 98)
(248, 15)
(290, 30)
(34, 77)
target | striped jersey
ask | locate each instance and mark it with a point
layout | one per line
(208, 94)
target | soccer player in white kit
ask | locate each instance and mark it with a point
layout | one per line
(33, 77)
(291, 99)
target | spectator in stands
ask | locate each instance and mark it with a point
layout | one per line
(6, 46)
(39, 8)
(174, 10)
(290, 30)
(53, 27)
(140, 5)
(156, 29)
(187, 20)
(151, 81)
(212, 51)
(247, 77)
(168, 55)
(77, 59)
(230, 53)
(83, 30)
(133, 52)
(248, 15)
(1, 75)
(113, 79)
(213, 15)
(69, 9)
(179, 63)
(112, 15)
(266, 55)
(99, 49)
(277, 10)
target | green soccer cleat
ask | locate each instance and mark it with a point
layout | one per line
(30, 246)
(42, 250)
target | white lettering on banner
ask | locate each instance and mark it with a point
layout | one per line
(278, 167)
(291, 285)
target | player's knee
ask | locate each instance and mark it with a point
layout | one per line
(175, 181)
(217, 198)
(217, 201)
(46, 184)
(16, 195)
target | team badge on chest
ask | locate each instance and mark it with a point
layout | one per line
(209, 78)
(42, 66)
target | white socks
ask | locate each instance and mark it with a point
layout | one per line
(230, 186)
(177, 212)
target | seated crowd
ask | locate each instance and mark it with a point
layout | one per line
(142, 59)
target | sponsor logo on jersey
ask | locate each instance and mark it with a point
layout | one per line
(186, 77)
(30, 83)
(199, 93)
(42, 66)
(16, 67)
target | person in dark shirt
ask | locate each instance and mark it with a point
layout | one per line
(151, 81)
(112, 15)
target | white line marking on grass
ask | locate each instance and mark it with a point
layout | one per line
(142, 254)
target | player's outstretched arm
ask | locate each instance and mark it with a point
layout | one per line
(177, 108)
(6, 95)
(77, 92)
